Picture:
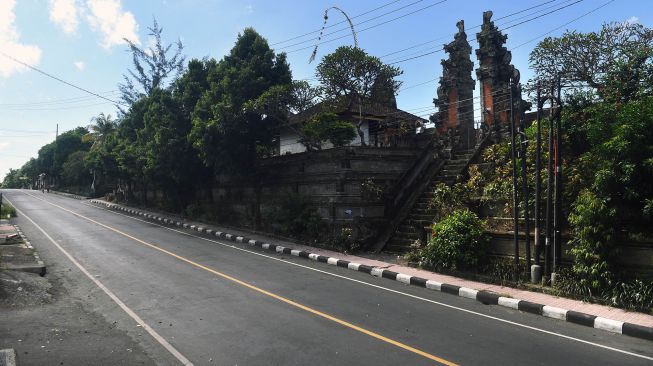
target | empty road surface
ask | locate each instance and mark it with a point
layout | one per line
(185, 299)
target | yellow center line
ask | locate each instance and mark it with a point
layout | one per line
(262, 291)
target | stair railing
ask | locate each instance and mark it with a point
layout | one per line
(402, 197)
(410, 185)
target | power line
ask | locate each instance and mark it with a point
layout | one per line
(532, 39)
(474, 27)
(499, 96)
(59, 79)
(357, 24)
(545, 14)
(21, 136)
(72, 100)
(341, 22)
(23, 131)
(370, 27)
(564, 25)
(416, 85)
(512, 26)
(46, 108)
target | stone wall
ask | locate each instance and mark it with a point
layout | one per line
(329, 179)
(635, 259)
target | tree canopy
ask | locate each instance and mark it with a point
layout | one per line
(153, 66)
(618, 58)
(351, 73)
(227, 135)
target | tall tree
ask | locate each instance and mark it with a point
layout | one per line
(229, 136)
(102, 126)
(153, 66)
(618, 58)
(171, 163)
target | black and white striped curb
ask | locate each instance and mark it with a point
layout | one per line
(28, 245)
(70, 195)
(8, 357)
(485, 297)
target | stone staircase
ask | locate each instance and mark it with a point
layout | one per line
(421, 217)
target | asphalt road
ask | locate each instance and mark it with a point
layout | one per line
(181, 297)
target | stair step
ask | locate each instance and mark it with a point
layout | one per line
(423, 211)
(401, 242)
(399, 249)
(406, 228)
(457, 160)
(456, 166)
(464, 157)
(404, 235)
(421, 217)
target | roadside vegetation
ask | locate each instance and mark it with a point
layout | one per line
(607, 142)
(184, 125)
(7, 211)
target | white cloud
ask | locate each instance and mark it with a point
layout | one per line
(108, 18)
(64, 14)
(249, 9)
(9, 43)
(80, 65)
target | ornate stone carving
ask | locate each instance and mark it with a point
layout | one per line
(494, 73)
(455, 93)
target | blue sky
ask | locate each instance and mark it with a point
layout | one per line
(80, 41)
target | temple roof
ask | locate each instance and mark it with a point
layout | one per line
(368, 109)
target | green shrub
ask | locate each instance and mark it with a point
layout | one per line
(457, 241)
(327, 127)
(568, 284)
(592, 223)
(6, 211)
(371, 191)
(635, 294)
(445, 199)
(293, 215)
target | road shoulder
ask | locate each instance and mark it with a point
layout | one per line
(614, 320)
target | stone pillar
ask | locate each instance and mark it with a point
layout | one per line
(455, 94)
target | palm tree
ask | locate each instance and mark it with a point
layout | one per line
(101, 127)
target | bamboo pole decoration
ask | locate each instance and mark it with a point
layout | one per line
(326, 17)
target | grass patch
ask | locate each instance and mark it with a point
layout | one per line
(7, 211)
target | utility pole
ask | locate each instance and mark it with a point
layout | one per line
(549, 192)
(515, 208)
(538, 183)
(557, 222)
(536, 277)
(524, 177)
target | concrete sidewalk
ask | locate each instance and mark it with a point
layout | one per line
(616, 320)
(16, 252)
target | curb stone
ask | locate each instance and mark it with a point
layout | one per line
(483, 296)
(38, 266)
(7, 357)
(70, 195)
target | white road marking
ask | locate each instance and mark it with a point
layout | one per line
(389, 289)
(109, 293)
